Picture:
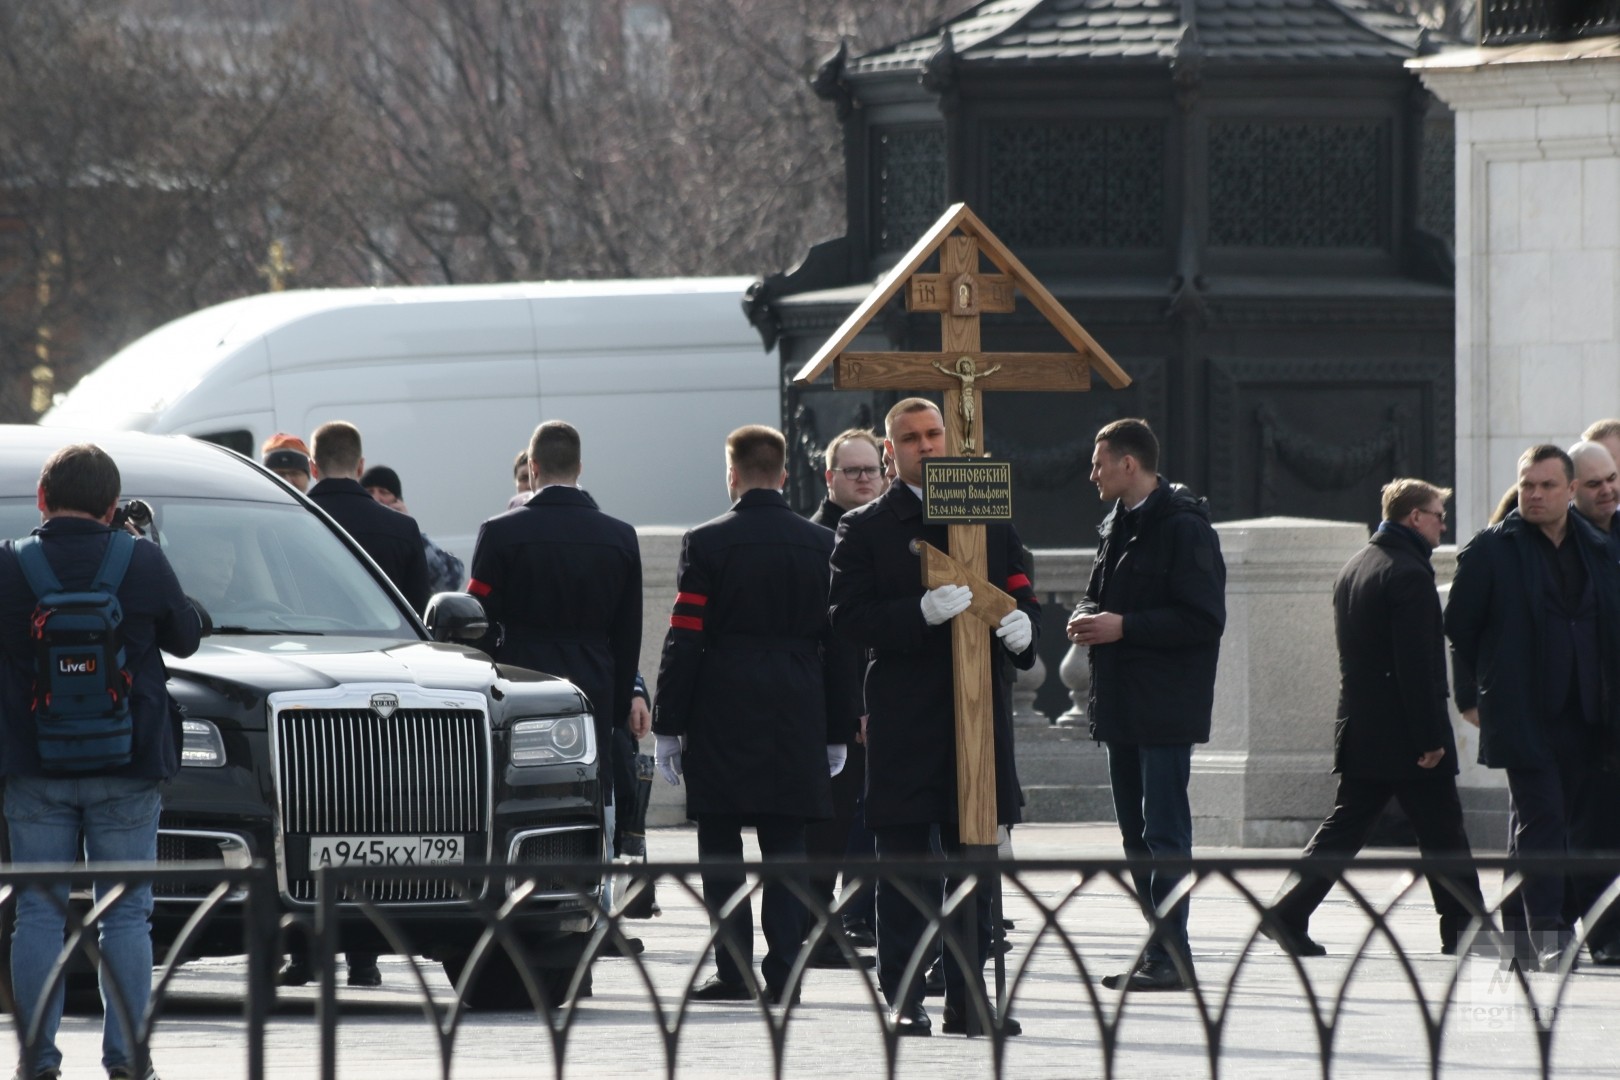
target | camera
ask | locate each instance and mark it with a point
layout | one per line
(133, 512)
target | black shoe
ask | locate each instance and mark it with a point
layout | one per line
(296, 973)
(828, 955)
(911, 1020)
(116, 1072)
(1292, 939)
(1607, 955)
(1006, 924)
(860, 935)
(773, 994)
(364, 973)
(716, 990)
(934, 981)
(1155, 972)
(55, 1074)
(956, 1023)
(631, 947)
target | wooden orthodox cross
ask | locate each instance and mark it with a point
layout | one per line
(960, 292)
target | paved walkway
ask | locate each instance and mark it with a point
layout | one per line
(1267, 1025)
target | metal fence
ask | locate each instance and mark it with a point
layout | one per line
(1060, 893)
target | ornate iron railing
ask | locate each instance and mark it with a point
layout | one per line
(1077, 918)
(1512, 22)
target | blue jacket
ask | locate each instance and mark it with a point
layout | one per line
(157, 615)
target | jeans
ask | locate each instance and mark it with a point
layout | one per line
(118, 818)
(1155, 820)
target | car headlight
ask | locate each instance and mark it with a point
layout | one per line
(201, 745)
(553, 742)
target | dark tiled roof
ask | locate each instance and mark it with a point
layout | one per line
(1029, 32)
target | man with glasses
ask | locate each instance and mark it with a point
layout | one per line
(854, 478)
(854, 475)
(1392, 737)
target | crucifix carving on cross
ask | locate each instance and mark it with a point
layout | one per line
(960, 292)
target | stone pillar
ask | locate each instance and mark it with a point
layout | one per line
(1537, 250)
(1263, 779)
(1075, 671)
(1025, 686)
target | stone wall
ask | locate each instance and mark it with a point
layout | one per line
(1537, 251)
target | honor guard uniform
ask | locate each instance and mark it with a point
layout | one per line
(563, 581)
(764, 713)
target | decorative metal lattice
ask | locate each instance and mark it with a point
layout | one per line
(909, 164)
(1436, 178)
(1078, 184)
(1298, 185)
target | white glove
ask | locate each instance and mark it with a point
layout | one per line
(668, 757)
(837, 754)
(945, 603)
(1015, 631)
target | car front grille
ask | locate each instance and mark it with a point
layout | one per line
(350, 772)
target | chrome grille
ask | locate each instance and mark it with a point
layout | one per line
(349, 772)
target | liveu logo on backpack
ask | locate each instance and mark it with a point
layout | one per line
(81, 689)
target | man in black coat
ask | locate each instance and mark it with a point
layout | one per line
(1153, 615)
(1534, 623)
(854, 478)
(562, 581)
(392, 539)
(879, 604)
(1393, 735)
(746, 706)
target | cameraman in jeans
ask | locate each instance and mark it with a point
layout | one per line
(115, 811)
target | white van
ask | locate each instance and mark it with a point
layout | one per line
(446, 384)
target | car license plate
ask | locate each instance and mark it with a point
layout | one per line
(385, 851)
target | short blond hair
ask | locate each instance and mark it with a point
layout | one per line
(904, 406)
(1406, 494)
(1601, 429)
(758, 454)
(852, 435)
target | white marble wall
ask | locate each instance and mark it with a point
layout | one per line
(1538, 252)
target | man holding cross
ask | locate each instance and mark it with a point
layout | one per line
(878, 602)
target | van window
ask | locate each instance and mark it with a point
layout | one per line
(240, 441)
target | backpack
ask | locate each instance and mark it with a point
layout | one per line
(81, 690)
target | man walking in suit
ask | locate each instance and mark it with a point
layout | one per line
(1393, 737)
(753, 703)
(878, 603)
(1534, 623)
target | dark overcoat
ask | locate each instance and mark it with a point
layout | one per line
(563, 580)
(391, 538)
(750, 674)
(1392, 662)
(910, 702)
(1156, 686)
(1494, 619)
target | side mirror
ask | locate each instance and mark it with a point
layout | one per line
(456, 616)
